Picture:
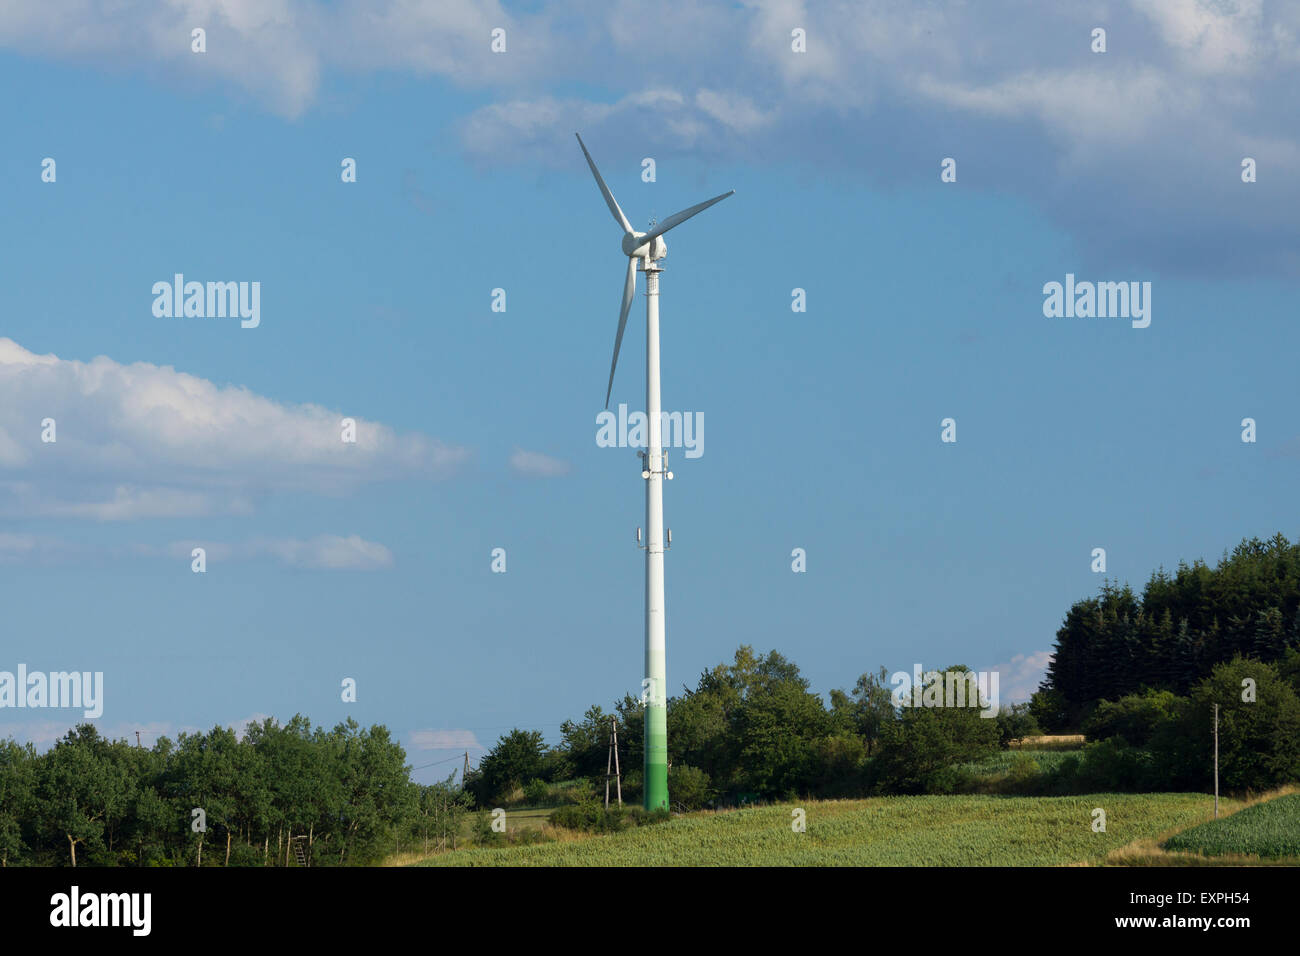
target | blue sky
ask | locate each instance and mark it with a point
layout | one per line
(822, 428)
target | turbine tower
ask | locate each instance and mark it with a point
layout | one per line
(645, 249)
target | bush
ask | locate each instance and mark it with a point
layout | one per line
(918, 749)
(243, 855)
(838, 767)
(1113, 765)
(949, 780)
(537, 793)
(1134, 717)
(631, 787)
(1023, 773)
(1106, 765)
(1050, 711)
(527, 836)
(584, 790)
(483, 832)
(688, 787)
(517, 756)
(1014, 723)
(591, 818)
(594, 818)
(1259, 740)
(639, 816)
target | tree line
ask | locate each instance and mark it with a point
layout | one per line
(213, 798)
(752, 730)
(1140, 677)
(755, 730)
(1174, 634)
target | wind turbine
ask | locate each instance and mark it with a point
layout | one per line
(645, 249)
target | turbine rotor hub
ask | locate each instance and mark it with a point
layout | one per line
(655, 249)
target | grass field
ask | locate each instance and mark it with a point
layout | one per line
(887, 831)
(1268, 830)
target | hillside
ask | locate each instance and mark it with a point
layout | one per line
(886, 831)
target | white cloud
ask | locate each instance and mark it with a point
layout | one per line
(534, 464)
(732, 110)
(326, 552)
(43, 734)
(1099, 141)
(240, 727)
(1091, 105)
(140, 440)
(277, 50)
(1019, 677)
(1212, 38)
(444, 740)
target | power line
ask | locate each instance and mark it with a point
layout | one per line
(435, 763)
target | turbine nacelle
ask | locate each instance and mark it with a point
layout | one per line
(654, 250)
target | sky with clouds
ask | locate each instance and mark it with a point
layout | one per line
(476, 428)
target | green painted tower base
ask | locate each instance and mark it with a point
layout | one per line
(656, 757)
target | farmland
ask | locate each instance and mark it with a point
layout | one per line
(1002, 761)
(1268, 830)
(886, 831)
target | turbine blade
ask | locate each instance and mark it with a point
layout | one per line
(629, 292)
(678, 218)
(604, 190)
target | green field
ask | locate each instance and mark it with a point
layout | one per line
(1000, 762)
(1270, 830)
(886, 831)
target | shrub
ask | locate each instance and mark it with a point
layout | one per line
(584, 790)
(594, 818)
(919, 747)
(1259, 740)
(483, 832)
(1134, 717)
(949, 780)
(639, 816)
(243, 855)
(688, 787)
(1024, 769)
(1048, 707)
(1016, 722)
(591, 818)
(537, 793)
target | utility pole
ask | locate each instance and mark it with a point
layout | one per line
(464, 773)
(1216, 761)
(137, 738)
(612, 760)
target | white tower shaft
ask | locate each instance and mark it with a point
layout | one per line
(646, 248)
(656, 715)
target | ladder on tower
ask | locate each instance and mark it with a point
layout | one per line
(300, 850)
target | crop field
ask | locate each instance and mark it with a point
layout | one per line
(1000, 762)
(1269, 830)
(1050, 742)
(886, 831)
